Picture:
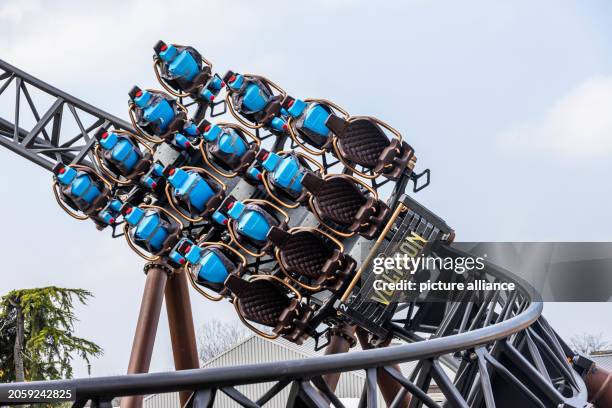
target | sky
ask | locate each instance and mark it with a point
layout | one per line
(508, 103)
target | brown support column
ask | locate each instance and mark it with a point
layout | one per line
(389, 388)
(180, 322)
(342, 339)
(146, 327)
(599, 386)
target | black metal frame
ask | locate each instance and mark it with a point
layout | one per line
(41, 145)
(507, 356)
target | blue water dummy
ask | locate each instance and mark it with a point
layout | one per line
(80, 187)
(212, 88)
(182, 68)
(251, 220)
(186, 138)
(309, 120)
(152, 178)
(181, 63)
(148, 229)
(228, 146)
(210, 264)
(122, 153)
(156, 112)
(255, 97)
(191, 190)
(109, 214)
(285, 171)
(227, 140)
(254, 100)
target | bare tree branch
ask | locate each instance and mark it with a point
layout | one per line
(215, 337)
(586, 343)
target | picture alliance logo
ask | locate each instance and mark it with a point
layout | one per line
(412, 264)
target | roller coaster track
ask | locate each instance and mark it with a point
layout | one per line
(502, 351)
(506, 359)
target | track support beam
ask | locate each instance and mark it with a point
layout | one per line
(146, 328)
(180, 322)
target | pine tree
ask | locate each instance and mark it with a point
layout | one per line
(36, 334)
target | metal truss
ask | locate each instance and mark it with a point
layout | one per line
(506, 355)
(39, 130)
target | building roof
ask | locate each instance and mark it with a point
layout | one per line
(603, 359)
(305, 350)
(255, 349)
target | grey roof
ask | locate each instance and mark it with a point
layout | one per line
(256, 349)
(307, 349)
(603, 359)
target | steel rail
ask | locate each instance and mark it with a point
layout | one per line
(138, 384)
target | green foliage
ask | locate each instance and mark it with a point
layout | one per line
(49, 342)
(7, 341)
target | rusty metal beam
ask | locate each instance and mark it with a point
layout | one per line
(146, 328)
(338, 343)
(599, 386)
(389, 388)
(180, 322)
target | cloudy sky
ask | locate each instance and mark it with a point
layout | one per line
(509, 104)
